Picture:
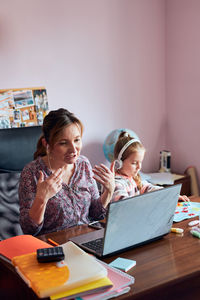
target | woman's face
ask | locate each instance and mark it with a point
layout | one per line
(67, 148)
(132, 164)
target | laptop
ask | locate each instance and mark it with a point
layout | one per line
(132, 222)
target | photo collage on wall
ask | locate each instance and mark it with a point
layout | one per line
(23, 107)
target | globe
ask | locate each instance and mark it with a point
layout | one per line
(111, 139)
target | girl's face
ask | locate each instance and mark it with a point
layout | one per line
(67, 148)
(132, 164)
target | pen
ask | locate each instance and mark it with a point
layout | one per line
(93, 222)
(177, 230)
(52, 242)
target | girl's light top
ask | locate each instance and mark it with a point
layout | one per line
(76, 203)
(126, 187)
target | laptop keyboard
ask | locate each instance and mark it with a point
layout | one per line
(96, 245)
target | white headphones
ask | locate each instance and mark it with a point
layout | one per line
(118, 161)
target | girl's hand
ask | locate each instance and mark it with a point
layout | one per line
(183, 198)
(47, 188)
(106, 177)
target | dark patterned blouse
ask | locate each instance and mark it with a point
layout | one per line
(75, 204)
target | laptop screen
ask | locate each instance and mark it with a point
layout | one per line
(140, 219)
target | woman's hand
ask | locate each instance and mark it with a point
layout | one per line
(46, 188)
(106, 177)
(183, 198)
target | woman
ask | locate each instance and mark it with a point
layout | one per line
(58, 189)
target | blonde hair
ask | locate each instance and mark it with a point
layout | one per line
(137, 146)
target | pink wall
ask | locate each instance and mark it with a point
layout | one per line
(103, 60)
(183, 82)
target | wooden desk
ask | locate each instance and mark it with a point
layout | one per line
(166, 269)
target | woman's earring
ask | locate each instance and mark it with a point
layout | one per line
(47, 149)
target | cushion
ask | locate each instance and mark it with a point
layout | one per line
(9, 205)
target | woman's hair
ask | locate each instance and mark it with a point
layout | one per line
(123, 139)
(53, 124)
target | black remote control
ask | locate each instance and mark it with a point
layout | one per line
(50, 254)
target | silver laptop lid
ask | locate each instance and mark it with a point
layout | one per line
(140, 219)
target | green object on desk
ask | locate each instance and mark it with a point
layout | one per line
(123, 263)
(195, 233)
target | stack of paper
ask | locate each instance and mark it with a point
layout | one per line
(120, 281)
(161, 178)
(78, 273)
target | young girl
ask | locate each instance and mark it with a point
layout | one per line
(129, 154)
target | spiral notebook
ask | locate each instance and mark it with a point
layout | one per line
(121, 284)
